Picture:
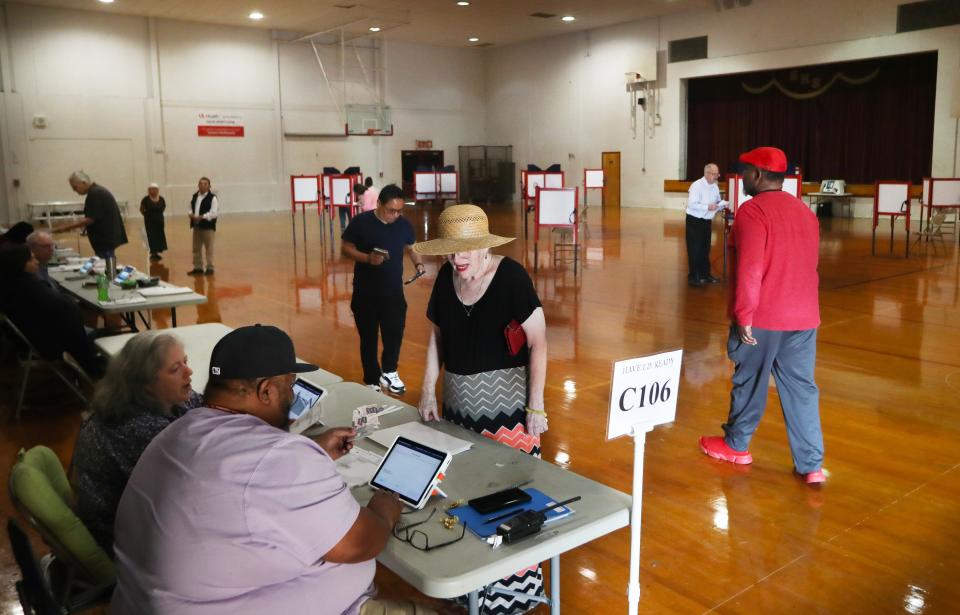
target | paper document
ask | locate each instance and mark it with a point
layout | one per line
(418, 432)
(162, 291)
(357, 466)
(129, 300)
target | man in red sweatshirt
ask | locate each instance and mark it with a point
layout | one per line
(775, 313)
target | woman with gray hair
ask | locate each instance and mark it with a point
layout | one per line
(146, 387)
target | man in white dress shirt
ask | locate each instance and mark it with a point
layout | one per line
(703, 204)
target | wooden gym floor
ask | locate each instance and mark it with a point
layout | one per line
(880, 537)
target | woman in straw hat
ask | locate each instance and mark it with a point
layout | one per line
(489, 335)
(151, 208)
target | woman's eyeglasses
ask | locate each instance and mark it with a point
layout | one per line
(419, 540)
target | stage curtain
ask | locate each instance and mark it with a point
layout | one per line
(858, 121)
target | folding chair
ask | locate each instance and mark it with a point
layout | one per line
(932, 233)
(32, 589)
(29, 357)
(79, 573)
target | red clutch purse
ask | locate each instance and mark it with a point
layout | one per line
(516, 338)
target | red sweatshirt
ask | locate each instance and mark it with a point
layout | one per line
(774, 248)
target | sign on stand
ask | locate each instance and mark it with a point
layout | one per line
(643, 394)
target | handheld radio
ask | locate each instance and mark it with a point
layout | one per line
(527, 523)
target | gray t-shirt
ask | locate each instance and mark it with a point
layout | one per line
(225, 514)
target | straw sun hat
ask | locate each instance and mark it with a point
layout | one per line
(462, 228)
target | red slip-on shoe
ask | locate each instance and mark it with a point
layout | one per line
(814, 478)
(715, 447)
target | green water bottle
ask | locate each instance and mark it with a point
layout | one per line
(103, 288)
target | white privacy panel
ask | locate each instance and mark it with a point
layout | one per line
(891, 197)
(557, 207)
(306, 189)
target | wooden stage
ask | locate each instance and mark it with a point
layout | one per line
(882, 536)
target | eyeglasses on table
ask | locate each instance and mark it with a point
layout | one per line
(419, 540)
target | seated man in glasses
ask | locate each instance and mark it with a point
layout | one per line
(227, 512)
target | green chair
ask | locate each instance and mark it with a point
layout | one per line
(81, 573)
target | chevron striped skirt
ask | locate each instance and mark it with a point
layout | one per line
(493, 404)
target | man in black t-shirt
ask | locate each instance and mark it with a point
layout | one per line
(101, 216)
(377, 240)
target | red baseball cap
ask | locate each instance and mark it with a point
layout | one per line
(766, 158)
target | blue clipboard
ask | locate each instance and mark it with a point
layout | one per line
(477, 521)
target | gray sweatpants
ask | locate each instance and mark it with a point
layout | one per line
(790, 356)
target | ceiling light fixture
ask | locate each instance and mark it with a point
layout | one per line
(374, 28)
(473, 39)
(463, 3)
(256, 15)
(106, 1)
(568, 18)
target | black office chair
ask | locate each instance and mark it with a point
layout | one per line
(532, 168)
(32, 590)
(331, 171)
(553, 168)
(351, 171)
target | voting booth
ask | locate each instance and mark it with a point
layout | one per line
(556, 209)
(891, 200)
(436, 185)
(941, 193)
(592, 180)
(530, 181)
(305, 191)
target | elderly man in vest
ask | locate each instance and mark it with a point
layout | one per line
(204, 207)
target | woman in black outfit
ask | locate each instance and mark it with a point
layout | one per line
(151, 207)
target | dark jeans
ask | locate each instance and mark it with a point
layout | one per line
(386, 315)
(699, 232)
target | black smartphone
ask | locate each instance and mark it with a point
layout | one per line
(499, 500)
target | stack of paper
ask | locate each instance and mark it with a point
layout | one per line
(127, 300)
(162, 291)
(420, 433)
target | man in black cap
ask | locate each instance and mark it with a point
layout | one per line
(228, 512)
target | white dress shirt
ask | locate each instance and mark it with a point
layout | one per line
(214, 205)
(701, 195)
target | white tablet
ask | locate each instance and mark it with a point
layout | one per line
(410, 470)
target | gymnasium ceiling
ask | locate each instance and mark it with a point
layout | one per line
(431, 22)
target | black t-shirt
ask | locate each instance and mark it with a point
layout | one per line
(106, 232)
(367, 232)
(476, 343)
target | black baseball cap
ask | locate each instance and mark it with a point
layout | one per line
(258, 351)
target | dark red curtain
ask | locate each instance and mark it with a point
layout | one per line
(874, 122)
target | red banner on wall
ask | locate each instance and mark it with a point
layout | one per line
(219, 124)
(219, 131)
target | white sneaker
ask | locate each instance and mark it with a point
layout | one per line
(375, 387)
(391, 381)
